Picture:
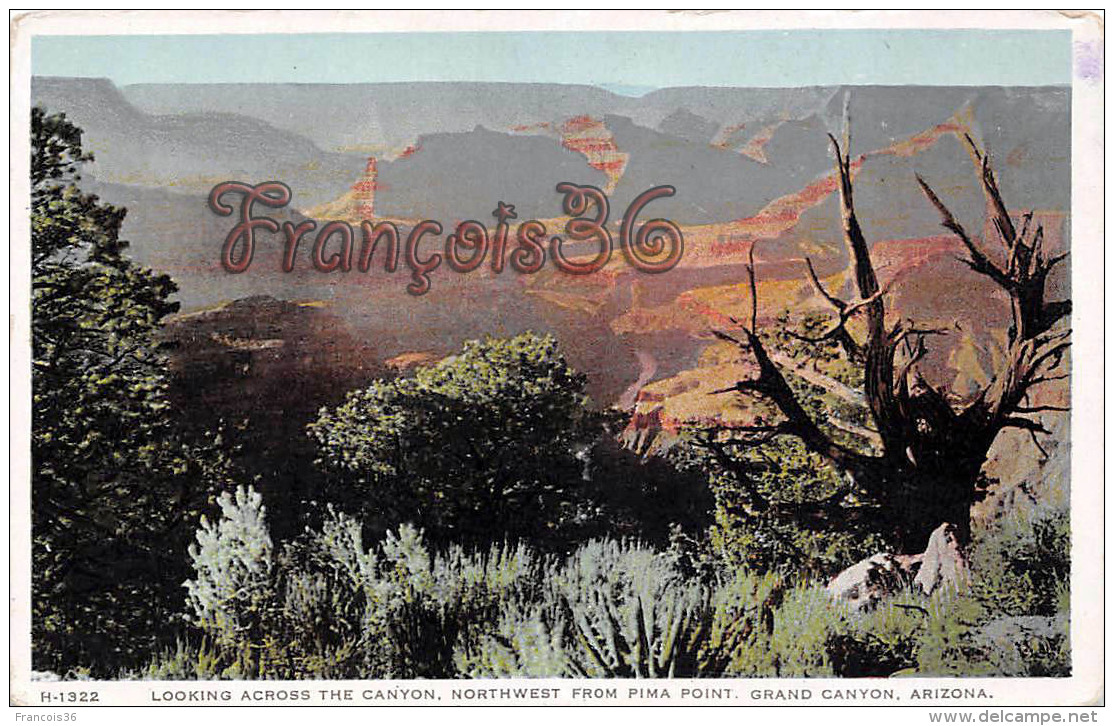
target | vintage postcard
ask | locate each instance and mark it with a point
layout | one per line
(556, 358)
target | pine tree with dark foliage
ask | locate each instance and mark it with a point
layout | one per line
(115, 487)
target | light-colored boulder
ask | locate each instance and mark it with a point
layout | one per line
(943, 563)
(864, 583)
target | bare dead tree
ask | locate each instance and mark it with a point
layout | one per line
(931, 451)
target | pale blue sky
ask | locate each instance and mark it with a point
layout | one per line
(629, 62)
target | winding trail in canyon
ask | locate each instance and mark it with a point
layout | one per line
(648, 366)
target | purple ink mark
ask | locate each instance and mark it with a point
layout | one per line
(1089, 60)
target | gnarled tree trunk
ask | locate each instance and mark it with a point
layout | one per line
(932, 452)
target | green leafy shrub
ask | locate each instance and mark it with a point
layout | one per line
(498, 442)
(782, 507)
(944, 641)
(1022, 566)
(812, 636)
(479, 447)
(795, 645)
(880, 642)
